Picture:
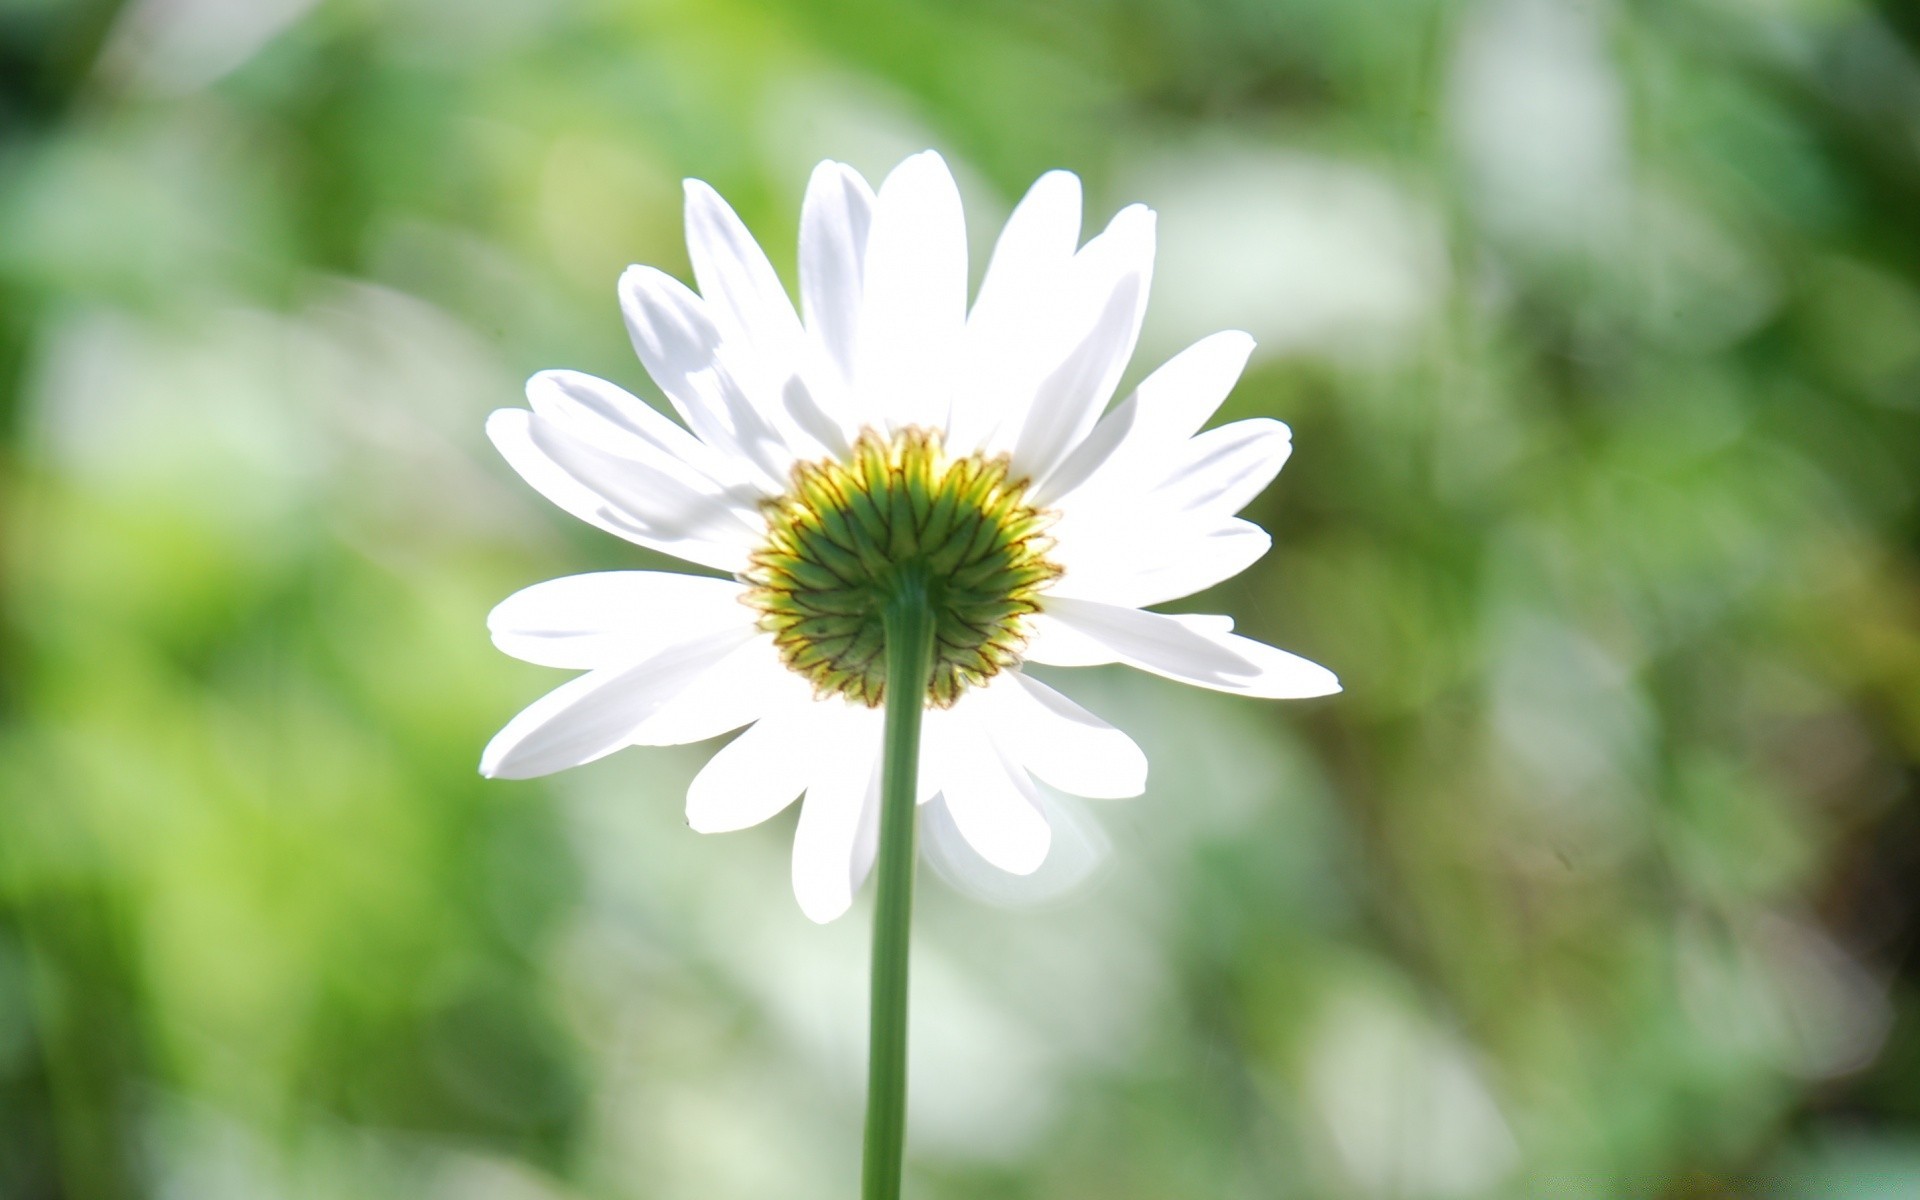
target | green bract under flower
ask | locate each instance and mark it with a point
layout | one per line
(898, 510)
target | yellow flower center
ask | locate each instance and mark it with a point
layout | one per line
(843, 537)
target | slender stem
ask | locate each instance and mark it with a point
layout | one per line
(909, 629)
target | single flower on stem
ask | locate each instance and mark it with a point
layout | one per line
(900, 495)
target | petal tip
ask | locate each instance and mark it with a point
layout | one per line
(492, 760)
(1030, 860)
(928, 163)
(1314, 685)
(508, 423)
(823, 912)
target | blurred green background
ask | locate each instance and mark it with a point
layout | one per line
(1598, 324)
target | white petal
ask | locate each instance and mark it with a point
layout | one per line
(1223, 469)
(1054, 643)
(1106, 437)
(1137, 567)
(835, 219)
(1062, 743)
(937, 733)
(915, 296)
(606, 415)
(1186, 390)
(680, 343)
(511, 430)
(1211, 624)
(992, 801)
(583, 621)
(1152, 642)
(1167, 408)
(740, 286)
(757, 774)
(1200, 563)
(1192, 650)
(1278, 675)
(1035, 245)
(1068, 400)
(736, 690)
(842, 801)
(820, 421)
(594, 715)
(1079, 848)
(866, 838)
(1021, 289)
(1112, 277)
(681, 520)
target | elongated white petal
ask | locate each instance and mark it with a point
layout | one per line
(1222, 469)
(660, 506)
(1192, 650)
(841, 804)
(1054, 643)
(1167, 408)
(1070, 398)
(835, 219)
(1106, 437)
(866, 837)
(1058, 325)
(1200, 563)
(1036, 243)
(939, 731)
(1002, 352)
(915, 296)
(739, 284)
(511, 431)
(993, 802)
(583, 621)
(1062, 743)
(740, 688)
(1112, 275)
(819, 416)
(606, 415)
(1210, 624)
(1185, 392)
(594, 715)
(1278, 674)
(757, 774)
(1141, 566)
(680, 344)
(1079, 847)
(1152, 642)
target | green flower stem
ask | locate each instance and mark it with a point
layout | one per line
(909, 618)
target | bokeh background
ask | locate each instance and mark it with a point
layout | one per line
(1598, 325)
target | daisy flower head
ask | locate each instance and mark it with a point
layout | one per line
(888, 436)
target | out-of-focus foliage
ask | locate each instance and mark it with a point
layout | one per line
(1598, 323)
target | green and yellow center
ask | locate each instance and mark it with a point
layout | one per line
(849, 534)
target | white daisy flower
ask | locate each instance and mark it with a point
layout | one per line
(887, 424)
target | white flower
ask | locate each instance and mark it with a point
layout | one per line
(1050, 526)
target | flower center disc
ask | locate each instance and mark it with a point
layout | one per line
(842, 538)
